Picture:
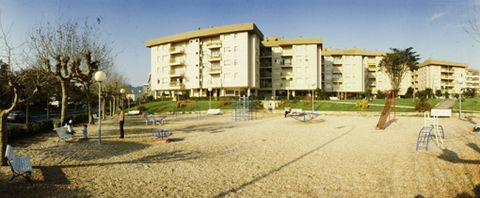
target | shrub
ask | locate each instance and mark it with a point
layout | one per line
(141, 108)
(422, 105)
(29, 130)
(409, 93)
(361, 104)
(380, 95)
(438, 93)
(181, 105)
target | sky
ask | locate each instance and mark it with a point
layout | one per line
(434, 28)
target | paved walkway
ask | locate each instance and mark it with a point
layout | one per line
(446, 104)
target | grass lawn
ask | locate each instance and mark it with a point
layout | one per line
(320, 105)
(472, 104)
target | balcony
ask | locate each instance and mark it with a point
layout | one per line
(177, 85)
(286, 75)
(337, 62)
(177, 50)
(450, 71)
(215, 69)
(371, 68)
(286, 63)
(215, 57)
(337, 80)
(214, 44)
(174, 73)
(177, 62)
(448, 77)
(265, 75)
(287, 52)
(372, 63)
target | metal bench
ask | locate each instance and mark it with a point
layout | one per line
(62, 134)
(151, 119)
(162, 135)
(20, 165)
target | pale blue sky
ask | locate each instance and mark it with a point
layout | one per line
(434, 28)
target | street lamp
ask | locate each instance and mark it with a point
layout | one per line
(139, 97)
(100, 76)
(313, 95)
(209, 98)
(460, 82)
(122, 91)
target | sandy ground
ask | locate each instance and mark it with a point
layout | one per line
(272, 156)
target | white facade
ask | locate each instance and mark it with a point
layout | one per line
(224, 60)
(442, 75)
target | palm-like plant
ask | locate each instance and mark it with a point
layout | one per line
(397, 63)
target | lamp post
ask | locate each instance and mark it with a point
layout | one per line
(209, 98)
(122, 91)
(139, 97)
(313, 95)
(100, 76)
(460, 82)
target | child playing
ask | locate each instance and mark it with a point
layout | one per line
(85, 132)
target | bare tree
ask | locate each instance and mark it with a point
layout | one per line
(473, 28)
(20, 85)
(71, 55)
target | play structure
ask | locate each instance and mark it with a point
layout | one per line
(387, 108)
(303, 116)
(431, 128)
(243, 109)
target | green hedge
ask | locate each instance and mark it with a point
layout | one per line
(28, 130)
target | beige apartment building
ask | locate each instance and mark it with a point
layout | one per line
(290, 66)
(441, 75)
(236, 60)
(223, 59)
(472, 79)
(355, 71)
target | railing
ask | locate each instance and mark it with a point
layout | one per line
(175, 73)
(176, 84)
(288, 52)
(176, 50)
(214, 44)
(177, 61)
(215, 57)
(215, 69)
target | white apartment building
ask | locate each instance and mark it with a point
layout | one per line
(235, 60)
(442, 75)
(355, 71)
(223, 59)
(472, 79)
(290, 66)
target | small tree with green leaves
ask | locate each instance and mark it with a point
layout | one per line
(397, 63)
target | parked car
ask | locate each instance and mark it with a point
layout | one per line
(16, 116)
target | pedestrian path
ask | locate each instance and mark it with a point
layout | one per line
(446, 104)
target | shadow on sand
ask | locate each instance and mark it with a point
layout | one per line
(273, 171)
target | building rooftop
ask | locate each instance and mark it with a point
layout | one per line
(442, 62)
(212, 31)
(274, 41)
(353, 51)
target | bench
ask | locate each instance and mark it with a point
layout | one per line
(20, 165)
(95, 116)
(62, 134)
(133, 112)
(163, 135)
(214, 112)
(151, 119)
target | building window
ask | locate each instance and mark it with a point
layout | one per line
(158, 81)
(235, 62)
(227, 49)
(235, 49)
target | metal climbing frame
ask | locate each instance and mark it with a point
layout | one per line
(243, 109)
(430, 128)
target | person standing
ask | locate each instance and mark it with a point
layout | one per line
(121, 119)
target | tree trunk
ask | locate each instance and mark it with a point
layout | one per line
(114, 105)
(64, 101)
(110, 106)
(89, 113)
(103, 108)
(3, 135)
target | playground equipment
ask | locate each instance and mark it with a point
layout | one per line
(243, 109)
(430, 128)
(389, 100)
(303, 116)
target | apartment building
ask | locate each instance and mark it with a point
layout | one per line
(290, 66)
(441, 75)
(218, 61)
(351, 72)
(472, 79)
